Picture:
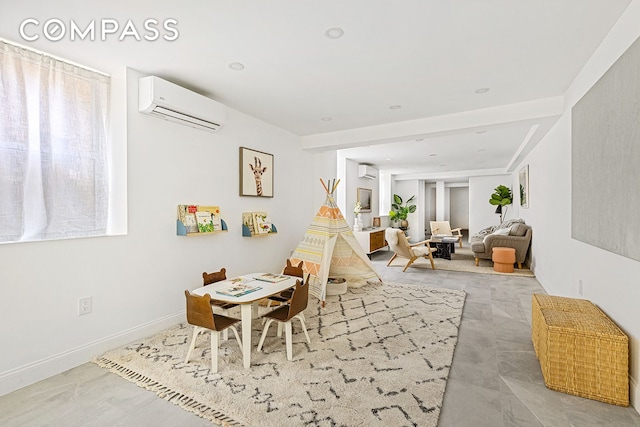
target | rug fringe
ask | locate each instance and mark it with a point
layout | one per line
(187, 403)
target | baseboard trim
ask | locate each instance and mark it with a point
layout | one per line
(39, 370)
(634, 394)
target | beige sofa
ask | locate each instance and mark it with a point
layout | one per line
(510, 234)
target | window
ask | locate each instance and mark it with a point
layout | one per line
(53, 148)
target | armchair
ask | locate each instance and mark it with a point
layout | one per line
(442, 228)
(400, 246)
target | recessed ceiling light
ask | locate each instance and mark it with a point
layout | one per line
(326, 119)
(483, 90)
(333, 33)
(395, 107)
(237, 66)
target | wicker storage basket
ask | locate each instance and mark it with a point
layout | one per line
(582, 352)
(552, 302)
(336, 286)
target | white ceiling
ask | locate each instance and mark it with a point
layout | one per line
(428, 56)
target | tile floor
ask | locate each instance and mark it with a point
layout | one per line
(495, 379)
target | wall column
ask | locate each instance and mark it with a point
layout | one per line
(440, 201)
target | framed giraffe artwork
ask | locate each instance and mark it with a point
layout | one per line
(256, 173)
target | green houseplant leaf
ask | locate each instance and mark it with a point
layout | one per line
(400, 210)
(501, 197)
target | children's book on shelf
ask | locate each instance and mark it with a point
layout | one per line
(216, 220)
(261, 223)
(204, 222)
(187, 216)
(238, 289)
(272, 277)
(247, 219)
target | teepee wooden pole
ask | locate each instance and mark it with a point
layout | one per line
(325, 187)
(335, 186)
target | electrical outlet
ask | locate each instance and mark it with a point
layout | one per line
(84, 306)
(580, 288)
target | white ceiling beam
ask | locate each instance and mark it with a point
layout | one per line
(530, 111)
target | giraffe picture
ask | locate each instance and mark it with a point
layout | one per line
(256, 173)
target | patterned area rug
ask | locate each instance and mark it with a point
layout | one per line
(462, 260)
(379, 356)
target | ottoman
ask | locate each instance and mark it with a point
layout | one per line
(503, 259)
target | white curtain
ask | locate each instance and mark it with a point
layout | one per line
(53, 158)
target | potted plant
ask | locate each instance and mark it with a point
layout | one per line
(400, 210)
(501, 197)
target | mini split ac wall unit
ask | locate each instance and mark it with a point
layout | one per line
(169, 101)
(366, 171)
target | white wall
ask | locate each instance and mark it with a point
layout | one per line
(325, 167)
(406, 189)
(430, 203)
(455, 204)
(561, 263)
(459, 212)
(137, 280)
(384, 194)
(482, 213)
(350, 186)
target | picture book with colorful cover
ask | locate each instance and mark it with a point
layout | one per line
(204, 222)
(261, 223)
(247, 220)
(238, 289)
(216, 220)
(187, 216)
(241, 280)
(272, 277)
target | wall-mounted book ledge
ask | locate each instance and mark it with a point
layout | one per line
(257, 224)
(196, 220)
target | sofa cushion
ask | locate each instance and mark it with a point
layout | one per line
(491, 229)
(477, 247)
(518, 229)
(502, 231)
(511, 222)
(485, 231)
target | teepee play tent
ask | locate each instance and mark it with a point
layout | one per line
(329, 249)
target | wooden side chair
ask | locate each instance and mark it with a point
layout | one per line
(217, 276)
(200, 314)
(401, 247)
(284, 296)
(286, 313)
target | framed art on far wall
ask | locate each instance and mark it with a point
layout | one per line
(256, 173)
(364, 197)
(523, 177)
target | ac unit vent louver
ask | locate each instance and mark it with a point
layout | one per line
(168, 101)
(366, 171)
